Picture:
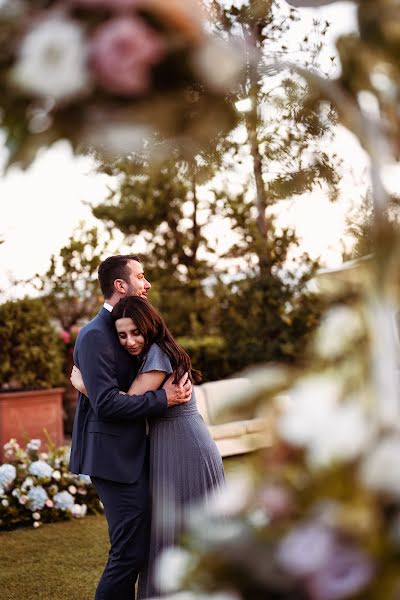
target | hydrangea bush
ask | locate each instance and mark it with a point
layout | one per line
(36, 487)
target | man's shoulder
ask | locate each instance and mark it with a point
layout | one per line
(97, 327)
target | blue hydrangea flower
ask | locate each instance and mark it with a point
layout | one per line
(37, 496)
(8, 474)
(84, 478)
(40, 468)
(64, 501)
(34, 445)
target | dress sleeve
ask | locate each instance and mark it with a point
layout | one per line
(156, 360)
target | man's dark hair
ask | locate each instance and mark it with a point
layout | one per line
(112, 268)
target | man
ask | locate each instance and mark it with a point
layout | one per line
(109, 434)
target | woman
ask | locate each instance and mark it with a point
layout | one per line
(185, 465)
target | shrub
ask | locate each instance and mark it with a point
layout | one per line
(208, 353)
(30, 351)
(36, 487)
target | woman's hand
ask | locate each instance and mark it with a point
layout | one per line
(77, 381)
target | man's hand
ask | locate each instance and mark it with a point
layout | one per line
(178, 393)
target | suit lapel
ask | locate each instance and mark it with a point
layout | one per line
(126, 365)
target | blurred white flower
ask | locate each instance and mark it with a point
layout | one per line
(345, 437)
(23, 499)
(339, 329)
(36, 516)
(171, 568)
(380, 469)
(72, 489)
(40, 468)
(5, 502)
(312, 400)
(231, 499)
(56, 475)
(52, 60)
(219, 64)
(36, 524)
(327, 428)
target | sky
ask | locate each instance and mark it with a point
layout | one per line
(42, 206)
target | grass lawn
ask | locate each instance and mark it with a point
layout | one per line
(59, 561)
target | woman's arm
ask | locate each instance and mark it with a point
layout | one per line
(77, 380)
(147, 382)
(144, 382)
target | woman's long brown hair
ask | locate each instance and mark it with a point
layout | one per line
(154, 330)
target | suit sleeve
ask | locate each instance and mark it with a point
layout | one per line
(97, 365)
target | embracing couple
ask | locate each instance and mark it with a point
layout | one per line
(137, 431)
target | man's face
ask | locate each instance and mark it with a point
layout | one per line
(137, 283)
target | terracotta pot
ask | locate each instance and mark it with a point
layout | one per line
(26, 414)
(70, 398)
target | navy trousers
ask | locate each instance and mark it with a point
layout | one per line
(127, 510)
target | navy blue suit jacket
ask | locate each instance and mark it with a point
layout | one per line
(109, 433)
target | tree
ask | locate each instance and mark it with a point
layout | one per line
(269, 313)
(360, 224)
(286, 139)
(163, 205)
(69, 287)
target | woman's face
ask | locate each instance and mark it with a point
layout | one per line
(129, 336)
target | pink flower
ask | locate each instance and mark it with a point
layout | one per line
(49, 503)
(122, 53)
(276, 501)
(65, 336)
(75, 329)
